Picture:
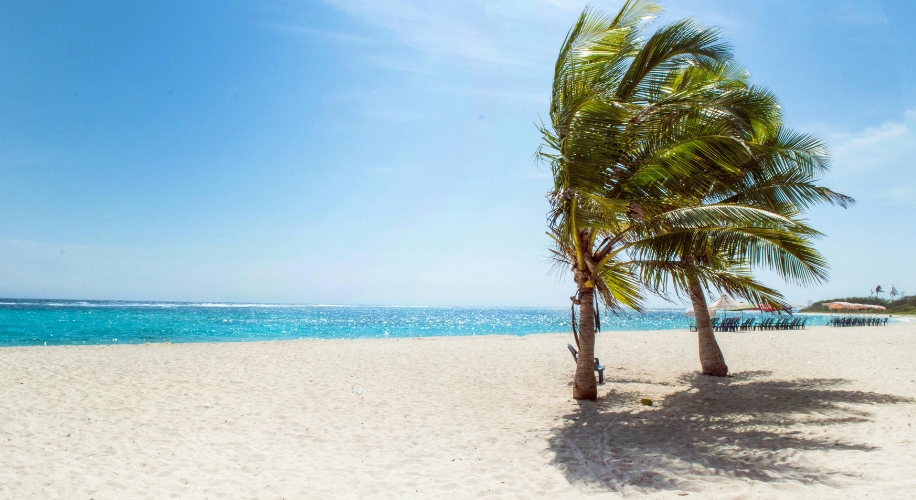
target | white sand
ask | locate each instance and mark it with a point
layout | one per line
(822, 413)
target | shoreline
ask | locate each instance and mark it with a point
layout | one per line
(37, 324)
(347, 339)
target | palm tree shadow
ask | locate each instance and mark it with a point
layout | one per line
(736, 427)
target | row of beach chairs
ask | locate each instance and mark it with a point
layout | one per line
(857, 321)
(748, 325)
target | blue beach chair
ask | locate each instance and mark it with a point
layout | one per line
(598, 367)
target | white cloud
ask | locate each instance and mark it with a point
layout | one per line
(713, 15)
(427, 28)
(900, 193)
(501, 32)
(876, 163)
(537, 97)
(873, 148)
(328, 36)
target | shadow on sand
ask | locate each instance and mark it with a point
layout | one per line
(734, 427)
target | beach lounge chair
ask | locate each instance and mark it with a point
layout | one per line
(726, 325)
(747, 325)
(598, 367)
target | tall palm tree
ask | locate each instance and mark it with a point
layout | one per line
(610, 145)
(780, 181)
(775, 173)
(640, 130)
(777, 241)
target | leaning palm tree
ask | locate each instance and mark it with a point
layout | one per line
(787, 190)
(755, 205)
(607, 145)
(640, 131)
(720, 254)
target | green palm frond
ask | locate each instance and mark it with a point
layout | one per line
(789, 191)
(789, 254)
(680, 43)
(670, 166)
(619, 287)
(671, 279)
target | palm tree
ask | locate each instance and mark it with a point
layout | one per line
(777, 240)
(612, 147)
(878, 291)
(782, 182)
(639, 132)
(775, 173)
(643, 136)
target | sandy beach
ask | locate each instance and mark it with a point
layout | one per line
(821, 413)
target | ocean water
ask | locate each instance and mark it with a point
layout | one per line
(57, 322)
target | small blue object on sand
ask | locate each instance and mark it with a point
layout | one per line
(598, 367)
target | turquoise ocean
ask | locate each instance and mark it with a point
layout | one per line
(70, 322)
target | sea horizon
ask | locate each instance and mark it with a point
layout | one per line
(218, 303)
(30, 322)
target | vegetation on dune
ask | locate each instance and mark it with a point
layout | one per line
(903, 305)
(673, 175)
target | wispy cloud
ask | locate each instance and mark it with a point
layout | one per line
(423, 27)
(536, 97)
(394, 63)
(328, 36)
(901, 193)
(877, 159)
(716, 14)
(475, 31)
(876, 148)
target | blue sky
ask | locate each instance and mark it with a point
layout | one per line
(380, 152)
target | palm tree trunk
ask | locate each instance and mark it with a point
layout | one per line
(584, 385)
(711, 360)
